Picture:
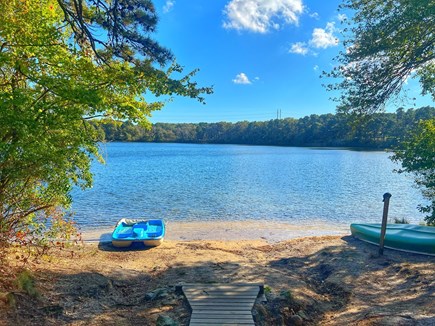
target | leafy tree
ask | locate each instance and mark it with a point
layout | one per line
(62, 63)
(387, 42)
(417, 157)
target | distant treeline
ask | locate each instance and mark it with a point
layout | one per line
(382, 130)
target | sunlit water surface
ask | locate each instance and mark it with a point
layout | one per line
(189, 182)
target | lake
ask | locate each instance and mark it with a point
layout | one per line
(192, 182)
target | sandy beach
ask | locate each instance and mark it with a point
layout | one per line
(270, 231)
(309, 280)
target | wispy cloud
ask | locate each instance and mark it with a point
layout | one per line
(315, 15)
(261, 16)
(241, 79)
(324, 38)
(299, 48)
(321, 38)
(168, 6)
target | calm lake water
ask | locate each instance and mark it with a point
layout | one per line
(189, 182)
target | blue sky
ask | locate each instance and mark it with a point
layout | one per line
(260, 56)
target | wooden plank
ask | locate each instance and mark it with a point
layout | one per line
(195, 298)
(210, 294)
(253, 292)
(238, 305)
(218, 300)
(229, 300)
(222, 284)
(228, 304)
(226, 289)
(235, 291)
(217, 318)
(220, 322)
(181, 287)
(220, 287)
(219, 296)
(223, 305)
(222, 308)
(222, 294)
(200, 311)
(233, 301)
(222, 317)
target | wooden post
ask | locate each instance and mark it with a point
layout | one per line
(386, 201)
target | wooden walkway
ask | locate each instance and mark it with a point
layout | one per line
(221, 304)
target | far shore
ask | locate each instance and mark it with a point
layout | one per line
(270, 231)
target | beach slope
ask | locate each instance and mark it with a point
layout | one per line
(328, 280)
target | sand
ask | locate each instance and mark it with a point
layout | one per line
(311, 280)
(270, 231)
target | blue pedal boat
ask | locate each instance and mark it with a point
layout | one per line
(149, 232)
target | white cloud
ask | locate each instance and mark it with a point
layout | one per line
(260, 16)
(316, 67)
(320, 39)
(241, 79)
(168, 6)
(315, 15)
(299, 48)
(324, 38)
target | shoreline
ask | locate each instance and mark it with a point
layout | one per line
(269, 231)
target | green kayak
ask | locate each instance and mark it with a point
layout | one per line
(405, 237)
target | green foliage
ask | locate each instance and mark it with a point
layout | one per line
(383, 130)
(416, 156)
(58, 70)
(124, 27)
(287, 295)
(387, 41)
(26, 282)
(401, 220)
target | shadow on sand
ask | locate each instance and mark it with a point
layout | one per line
(323, 286)
(105, 244)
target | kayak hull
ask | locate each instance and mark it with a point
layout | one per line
(405, 237)
(127, 231)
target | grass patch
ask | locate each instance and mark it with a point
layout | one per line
(267, 290)
(401, 220)
(26, 282)
(287, 295)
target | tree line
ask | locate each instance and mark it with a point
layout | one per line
(380, 130)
